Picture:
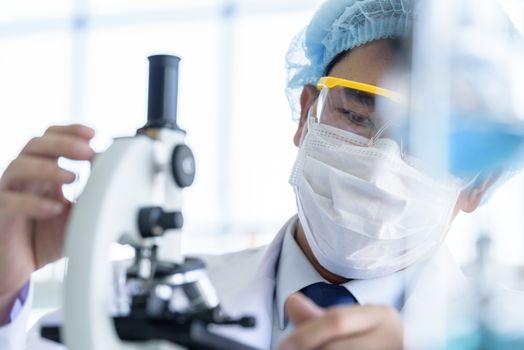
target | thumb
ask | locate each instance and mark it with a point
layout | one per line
(300, 309)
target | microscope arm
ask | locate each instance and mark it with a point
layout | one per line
(120, 183)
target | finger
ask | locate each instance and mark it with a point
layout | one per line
(31, 206)
(363, 342)
(59, 145)
(56, 192)
(300, 309)
(336, 323)
(388, 335)
(372, 340)
(35, 168)
(78, 130)
(343, 345)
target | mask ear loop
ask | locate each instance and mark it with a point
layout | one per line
(388, 124)
(306, 127)
(380, 132)
(391, 122)
(314, 110)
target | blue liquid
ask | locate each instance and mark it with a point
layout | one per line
(480, 144)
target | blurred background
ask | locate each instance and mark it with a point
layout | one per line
(80, 61)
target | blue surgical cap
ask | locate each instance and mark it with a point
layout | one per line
(338, 26)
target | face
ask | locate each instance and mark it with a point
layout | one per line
(370, 64)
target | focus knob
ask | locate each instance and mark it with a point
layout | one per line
(183, 166)
(154, 221)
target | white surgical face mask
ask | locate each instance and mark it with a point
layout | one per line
(365, 211)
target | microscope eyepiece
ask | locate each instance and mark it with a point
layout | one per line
(163, 92)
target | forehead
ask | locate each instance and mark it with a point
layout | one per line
(368, 63)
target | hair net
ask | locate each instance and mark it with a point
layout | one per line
(337, 26)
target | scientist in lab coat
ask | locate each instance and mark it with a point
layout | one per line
(361, 266)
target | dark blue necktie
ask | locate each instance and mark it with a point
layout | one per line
(326, 295)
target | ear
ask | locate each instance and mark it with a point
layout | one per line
(471, 197)
(307, 98)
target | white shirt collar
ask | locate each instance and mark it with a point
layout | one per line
(295, 272)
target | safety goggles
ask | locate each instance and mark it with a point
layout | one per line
(359, 108)
(369, 111)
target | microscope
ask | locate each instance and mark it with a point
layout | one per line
(134, 196)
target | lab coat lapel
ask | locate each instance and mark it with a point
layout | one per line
(245, 283)
(438, 287)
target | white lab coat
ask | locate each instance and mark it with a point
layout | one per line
(245, 283)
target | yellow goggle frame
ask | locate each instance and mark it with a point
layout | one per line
(331, 82)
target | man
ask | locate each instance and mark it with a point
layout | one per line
(360, 252)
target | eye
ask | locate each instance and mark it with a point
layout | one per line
(357, 119)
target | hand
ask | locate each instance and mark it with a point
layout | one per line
(343, 327)
(33, 210)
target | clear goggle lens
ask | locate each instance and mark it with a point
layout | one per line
(365, 114)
